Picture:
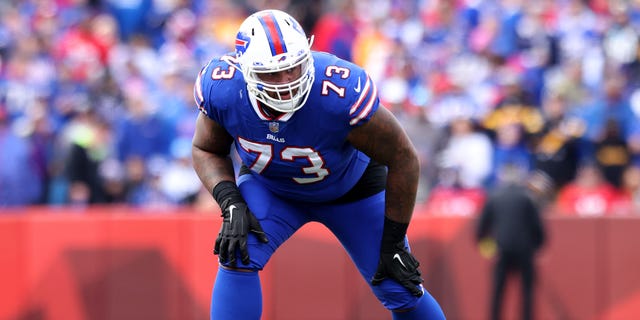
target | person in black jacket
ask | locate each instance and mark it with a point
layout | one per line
(511, 218)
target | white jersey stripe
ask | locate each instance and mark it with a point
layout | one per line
(367, 109)
(199, 95)
(363, 95)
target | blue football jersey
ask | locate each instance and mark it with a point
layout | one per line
(301, 155)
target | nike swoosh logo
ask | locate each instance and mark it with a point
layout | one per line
(233, 206)
(357, 88)
(397, 256)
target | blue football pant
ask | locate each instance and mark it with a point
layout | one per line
(357, 225)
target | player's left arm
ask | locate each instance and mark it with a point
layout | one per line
(383, 139)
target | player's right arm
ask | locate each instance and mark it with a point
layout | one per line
(210, 150)
(211, 146)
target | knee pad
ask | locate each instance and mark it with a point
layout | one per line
(394, 296)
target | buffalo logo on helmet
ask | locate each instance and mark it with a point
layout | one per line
(296, 26)
(242, 43)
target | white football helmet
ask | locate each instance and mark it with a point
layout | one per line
(271, 41)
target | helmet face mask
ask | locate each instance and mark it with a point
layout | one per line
(271, 42)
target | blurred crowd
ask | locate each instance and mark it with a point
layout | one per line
(96, 96)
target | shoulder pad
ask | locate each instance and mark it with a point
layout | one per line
(349, 82)
(218, 85)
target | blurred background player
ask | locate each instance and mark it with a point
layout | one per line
(315, 144)
(510, 222)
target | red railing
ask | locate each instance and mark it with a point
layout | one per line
(123, 263)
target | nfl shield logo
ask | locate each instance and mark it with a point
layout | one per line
(274, 127)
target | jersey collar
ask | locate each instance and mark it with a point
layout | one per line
(259, 109)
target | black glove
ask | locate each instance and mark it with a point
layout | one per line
(237, 222)
(396, 262)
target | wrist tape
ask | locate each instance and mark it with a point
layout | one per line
(392, 234)
(225, 193)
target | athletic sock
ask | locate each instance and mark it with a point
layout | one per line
(236, 295)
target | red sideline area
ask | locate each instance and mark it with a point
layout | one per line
(121, 263)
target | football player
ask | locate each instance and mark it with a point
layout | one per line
(315, 145)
